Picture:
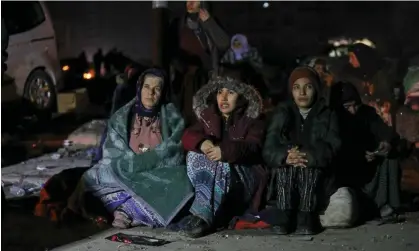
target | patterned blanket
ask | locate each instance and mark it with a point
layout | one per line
(156, 178)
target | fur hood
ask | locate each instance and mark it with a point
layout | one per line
(250, 94)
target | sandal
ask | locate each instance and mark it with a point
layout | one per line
(121, 220)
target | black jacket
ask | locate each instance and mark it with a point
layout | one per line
(319, 138)
(317, 135)
(360, 133)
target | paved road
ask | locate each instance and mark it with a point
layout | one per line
(22, 231)
(395, 237)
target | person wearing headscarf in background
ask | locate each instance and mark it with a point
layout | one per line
(376, 80)
(408, 116)
(301, 143)
(407, 126)
(247, 58)
(224, 153)
(368, 159)
(141, 178)
(240, 51)
(196, 44)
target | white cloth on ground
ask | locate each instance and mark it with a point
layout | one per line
(342, 211)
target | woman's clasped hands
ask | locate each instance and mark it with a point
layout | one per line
(296, 158)
(211, 151)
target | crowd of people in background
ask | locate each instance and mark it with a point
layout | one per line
(196, 149)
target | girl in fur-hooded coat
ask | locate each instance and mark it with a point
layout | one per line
(224, 149)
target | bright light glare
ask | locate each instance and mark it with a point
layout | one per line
(66, 68)
(87, 75)
(365, 41)
(265, 5)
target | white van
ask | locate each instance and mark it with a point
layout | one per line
(33, 67)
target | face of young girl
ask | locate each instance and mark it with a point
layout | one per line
(227, 100)
(303, 93)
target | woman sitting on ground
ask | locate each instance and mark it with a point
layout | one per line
(141, 177)
(301, 141)
(369, 160)
(224, 151)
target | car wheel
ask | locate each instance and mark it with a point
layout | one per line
(41, 94)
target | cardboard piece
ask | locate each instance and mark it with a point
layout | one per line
(74, 101)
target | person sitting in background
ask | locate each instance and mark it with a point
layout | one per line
(411, 88)
(321, 67)
(126, 87)
(224, 152)
(374, 79)
(301, 144)
(141, 178)
(240, 51)
(124, 92)
(407, 126)
(368, 159)
(408, 116)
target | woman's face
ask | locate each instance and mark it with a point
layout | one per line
(351, 106)
(227, 100)
(151, 91)
(303, 92)
(320, 69)
(385, 108)
(237, 44)
(193, 6)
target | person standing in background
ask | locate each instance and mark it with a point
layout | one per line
(241, 51)
(196, 43)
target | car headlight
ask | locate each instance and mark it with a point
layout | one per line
(65, 68)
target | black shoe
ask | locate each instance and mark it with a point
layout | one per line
(306, 224)
(280, 230)
(196, 227)
(284, 222)
(386, 211)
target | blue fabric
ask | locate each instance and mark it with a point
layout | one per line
(139, 214)
(156, 180)
(212, 182)
(99, 149)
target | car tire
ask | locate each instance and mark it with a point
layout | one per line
(40, 94)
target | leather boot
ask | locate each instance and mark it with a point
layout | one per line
(307, 224)
(283, 227)
(196, 227)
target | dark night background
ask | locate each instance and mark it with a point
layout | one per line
(285, 29)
